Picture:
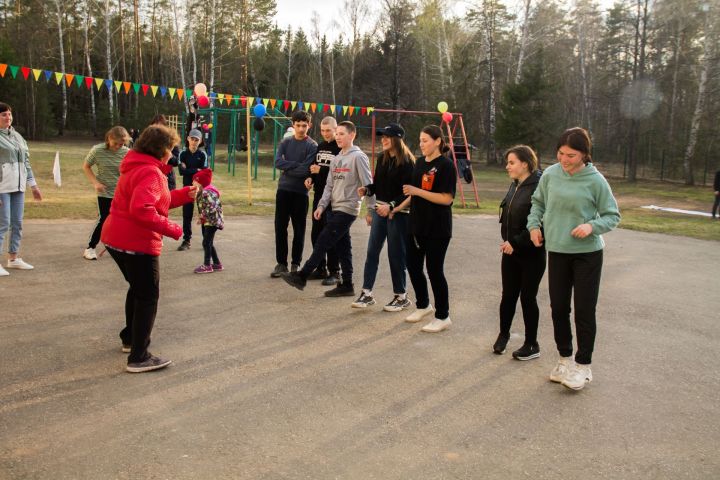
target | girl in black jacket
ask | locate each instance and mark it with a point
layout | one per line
(523, 264)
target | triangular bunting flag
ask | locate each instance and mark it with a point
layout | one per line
(88, 82)
(145, 88)
(320, 107)
(171, 91)
(69, 78)
(79, 80)
(293, 104)
(136, 88)
(3, 69)
(266, 101)
(180, 92)
(108, 84)
(13, 70)
(370, 110)
(58, 77)
(250, 101)
(300, 105)
(118, 84)
(352, 110)
(332, 109)
(286, 104)
(48, 75)
(345, 108)
(221, 97)
(36, 73)
(98, 83)
(273, 102)
(236, 99)
(313, 106)
(363, 111)
(126, 86)
(154, 89)
(25, 72)
(163, 91)
(243, 101)
(338, 108)
(325, 107)
(188, 93)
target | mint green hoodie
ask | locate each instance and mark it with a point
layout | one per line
(562, 201)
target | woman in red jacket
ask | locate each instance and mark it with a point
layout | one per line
(133, 235)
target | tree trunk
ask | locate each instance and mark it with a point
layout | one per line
(523, 41)
(212, 44)
(108, 60)
(62, 68)
(138, 53)
(585, 113)
(86, 26)
(122, 56)
(191, 37)
(179, 44)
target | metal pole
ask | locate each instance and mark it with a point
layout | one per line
(249, 167)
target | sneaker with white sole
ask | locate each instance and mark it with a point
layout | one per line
(90, 254)
(3, 272)
(561, 369)
(419, 314)
(437, 325)
(397, 304)
(152, 363)
(578, 376)
(19, 264)
(364, 300)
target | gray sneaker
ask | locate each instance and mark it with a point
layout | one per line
(278, 270)
(332, 279)
(152, 363)
(397, 304)
(363, 301)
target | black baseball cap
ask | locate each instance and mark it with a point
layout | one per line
(392, 130)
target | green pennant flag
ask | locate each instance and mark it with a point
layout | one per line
(188, 93)
(79, 79)
(14, 69)
(136, 88)
(236, 99)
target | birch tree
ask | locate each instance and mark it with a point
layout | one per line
(63, 120)
(88, 64)
(108, 60)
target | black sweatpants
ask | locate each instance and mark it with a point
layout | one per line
(431, 252)
(521, 275)
(332, 263)
(716, 204)
(578, 275)
(208, 234)
(290, 207)
(103, 212)
(336, 234)
(142, 272)
(188, 210)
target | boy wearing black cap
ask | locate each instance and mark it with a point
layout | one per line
(191, 161)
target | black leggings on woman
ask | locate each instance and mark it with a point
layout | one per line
(431, 252)
(521, 275)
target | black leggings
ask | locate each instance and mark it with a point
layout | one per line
(208, 234)
(431, 252)
(575, 274)
(521, 275)
(104, 211)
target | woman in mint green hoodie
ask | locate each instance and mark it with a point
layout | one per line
(575, 206)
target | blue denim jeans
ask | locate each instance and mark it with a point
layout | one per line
(11, 217)
(395, 231)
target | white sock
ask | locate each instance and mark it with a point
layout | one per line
(367, 292)
(402, 296)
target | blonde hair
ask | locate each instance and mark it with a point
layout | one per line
(116, 133)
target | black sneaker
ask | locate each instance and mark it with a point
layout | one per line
(527, 352)
(152, 363)
(363, 301)
(294, 267)
(279, 270)
(185, 245)
(318, 274)
(332, 279)
(342, 289)
(294, 279)
(500, 344)
(397, 304)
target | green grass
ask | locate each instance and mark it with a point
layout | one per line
(76, 198)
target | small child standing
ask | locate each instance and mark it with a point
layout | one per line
(211, 219)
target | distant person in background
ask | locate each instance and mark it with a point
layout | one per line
(134, 134)
(106, 158)
(716, 190)
(192, 161)
(15, 175)
(174, 160)
(575, 206)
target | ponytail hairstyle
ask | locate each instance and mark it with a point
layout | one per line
(525, 154)
(578, 139)
(435, 132)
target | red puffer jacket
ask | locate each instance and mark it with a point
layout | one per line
(139, 211)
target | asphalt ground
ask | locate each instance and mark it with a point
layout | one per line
(273, 383)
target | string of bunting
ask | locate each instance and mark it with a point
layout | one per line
(80, 81)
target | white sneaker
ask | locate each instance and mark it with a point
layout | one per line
(578, 377)
(90, 254)
(19, 264)
(419, 314)
(561, 370)
(437, 325)
(3, 272)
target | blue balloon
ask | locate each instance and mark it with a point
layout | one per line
(259, 110)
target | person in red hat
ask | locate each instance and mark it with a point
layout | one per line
(133, 234)
(211, 219)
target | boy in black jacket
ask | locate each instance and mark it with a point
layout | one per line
(192, 161)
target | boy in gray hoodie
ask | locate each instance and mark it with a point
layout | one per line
(349, 171)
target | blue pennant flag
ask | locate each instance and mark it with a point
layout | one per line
(108, 84)
(163, 91)
(48, 75)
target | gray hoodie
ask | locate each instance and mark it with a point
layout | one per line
(349, 171)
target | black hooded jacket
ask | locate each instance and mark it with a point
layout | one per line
(514, 210)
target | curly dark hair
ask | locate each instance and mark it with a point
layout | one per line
(156, 140)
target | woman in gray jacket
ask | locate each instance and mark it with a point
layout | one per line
(15, 174)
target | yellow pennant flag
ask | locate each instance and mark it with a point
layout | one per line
(293, 104)
(36, 73)
(370, 110)
(266, 101)
(250, 101)
(69, 78)
(118, 84)
(332, 109)
(98, 83)
(221, 97)
(154, 89)
(344, 109)
(171, 91)
(58, 77)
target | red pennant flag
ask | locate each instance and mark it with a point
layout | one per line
(127, 86)
(363, 111)
(3, 69)
(243, 100)
(326, 107)
(286, 104)
(145, 88)
(88, 82)
(25, 71)
(69, 78)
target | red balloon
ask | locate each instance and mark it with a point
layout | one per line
(447, 116)
(203, 101)
(205, 127)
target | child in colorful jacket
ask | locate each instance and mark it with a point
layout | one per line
(211, 219)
